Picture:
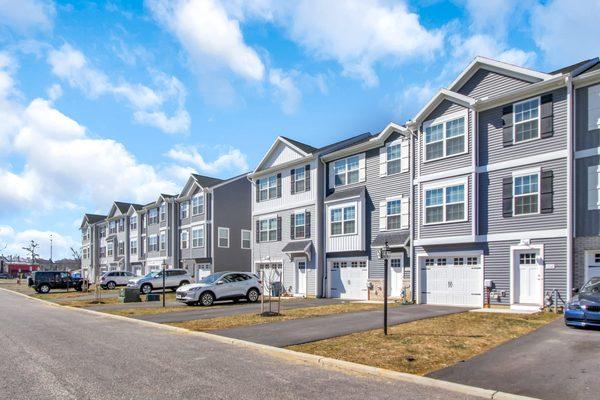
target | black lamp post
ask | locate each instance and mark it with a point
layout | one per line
(384, 253)
(164, 273)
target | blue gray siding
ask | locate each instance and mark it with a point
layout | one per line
(486, 83)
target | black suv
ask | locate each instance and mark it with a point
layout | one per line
(43, 281)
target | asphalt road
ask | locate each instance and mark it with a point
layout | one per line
(49, 352)
(554, 362)
(304, 330)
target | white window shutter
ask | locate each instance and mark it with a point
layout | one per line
(361, 167)
(331, 176)
(383, 161)
(383, 215)
(404, 155)
(405, 214)
(594, 187)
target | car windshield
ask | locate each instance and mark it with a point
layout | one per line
(152, 274)
(212, 278)
(593, 286)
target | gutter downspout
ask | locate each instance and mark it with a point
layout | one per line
(570, 188)
(252, 227)
(322, 225)
(413, 207)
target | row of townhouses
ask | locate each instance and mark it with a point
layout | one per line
(495, 183)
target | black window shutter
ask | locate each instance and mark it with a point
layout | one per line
(279, 185)
(278, 229)
(257, 231)
(507, 126)
(507, 197)
(547, 192)
(293, 180)
(546, 115)
(292, 226)
(258, 190)
(307, 224)
(307, 176)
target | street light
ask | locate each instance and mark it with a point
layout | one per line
(384, 253)
(164, 272)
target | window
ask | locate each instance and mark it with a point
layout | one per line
(526, 194)
(109, 249)
(246, 239)
(163, 241)
(299, 225)
(299, 180)
(122, 225)
(594, 187)
(184, 239)
(121, 248)
(393, 214)
(103, 232)
(446, 204)
(163, 212)
(153, 216)
(526, 120)
(527, 258)
(445, 139)
(440, 262)
(85, 253)
(184, 210)
(593, 107)
(112, 227)
(102, 252)
(343, 221)
(346, 171)
(268, 188)
(429, 262)
(198, 204)
(396, 262)
(198, 236)
(153, 243)
(133, 246)
(458, 261)
(133, 222)
(268, 230)
(393, 158)
(223, 237)
(597, 258)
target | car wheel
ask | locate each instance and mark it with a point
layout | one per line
(146, 288)
(207, 299)
(44, 288)
(111, 285)
(253, 295)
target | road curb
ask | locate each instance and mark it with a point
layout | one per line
(323, 362)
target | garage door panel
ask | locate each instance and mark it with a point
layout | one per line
(444, 283)
(347, 281)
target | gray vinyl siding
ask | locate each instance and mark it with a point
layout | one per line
(487, 83)
(584, 139)
(463, 160)
(231, 207)
(446, 229)
(490, 202)
(587, 221)
(491, 149)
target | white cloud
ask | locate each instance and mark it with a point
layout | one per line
(15, 240)
(286, 91)
(211, 37)
(413, 98)
(492, 17)
(233, 160)
(567, 31)
(71, 65)
(54, 92)
(28, 15)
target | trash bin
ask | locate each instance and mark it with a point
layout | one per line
(129, 295)
(276, 289)
(153, 297)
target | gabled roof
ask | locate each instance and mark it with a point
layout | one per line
(121, 206)
(302, 146)
(92, 219)
(443, 94)
(134, 207)
(206, 181)
(365, 142)
(515, 71)
(303, 149)
(577, 68)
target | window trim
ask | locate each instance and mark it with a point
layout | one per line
(294, 215)
(343, 220)
(162, 234)
(131, 247)
(249, 239)
(346, 170)
(597, 126)
(267, 179)
(182, 241)
(443, 120)
(260, 230)
(184, 206)
(387, 215)
(397, 142)
(219, 237)
(302, 169)
(133, 227)
(444, 185)
(593, 170)
(162, 212)
(198, 228)
(201, 205)
(520, 174)
(539, 118)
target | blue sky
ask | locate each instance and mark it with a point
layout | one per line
(105, 101)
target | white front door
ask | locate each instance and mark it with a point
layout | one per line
(529, 278)
(301, 278)
(396, 275)
(592, 261)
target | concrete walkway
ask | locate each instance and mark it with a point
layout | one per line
(304, 330)
(554, 362)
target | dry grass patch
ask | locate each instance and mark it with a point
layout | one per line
(130, 312)
(234, 321)
(427, 345)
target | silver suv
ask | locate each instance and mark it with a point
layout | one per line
(174, 278)
(112, 279)
(221, 286)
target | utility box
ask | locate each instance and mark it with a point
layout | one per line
(488, 283)
(129, 295)
(153, 297)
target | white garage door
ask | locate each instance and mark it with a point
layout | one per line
(453, 281)
(348, 279)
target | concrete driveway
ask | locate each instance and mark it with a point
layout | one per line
(554, 362)
(304, 330)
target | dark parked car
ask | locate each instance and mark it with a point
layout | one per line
(44, 281)
(584, 308)
(4, 275)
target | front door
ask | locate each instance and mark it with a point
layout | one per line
(396, 272)
(301, 278)
(529, 278)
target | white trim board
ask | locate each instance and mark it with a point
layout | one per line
(595, 151)
(495, 237)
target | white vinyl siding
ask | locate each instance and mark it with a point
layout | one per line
(594, 187)
(223, 237)
(526, 194)
(526, 121)
(445, 138)
(593, 107)
(198, 237)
